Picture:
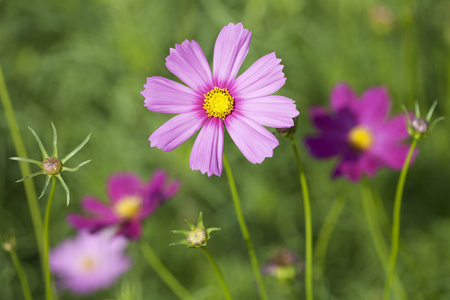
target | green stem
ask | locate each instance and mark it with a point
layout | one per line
(48, 283)
(22, 275)
(30, 190)
(377, 235)
(244, 231)
(219, 274)
(308, 226)
(326, 231)
(396, 222)
(164, 273)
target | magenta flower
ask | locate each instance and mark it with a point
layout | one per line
(211, 99)
(131, 202)
(89, 262)
(359, 132)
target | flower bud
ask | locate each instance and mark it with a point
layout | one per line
(419, 125)
(289, 131)
(51, 165)
(197, 236)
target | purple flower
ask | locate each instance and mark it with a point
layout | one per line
(359, 132)
(211, 99)
(89, 262)
(131, 202)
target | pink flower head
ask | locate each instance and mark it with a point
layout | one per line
(131, 202)
(359, 132)
(212, 99)
(89, 262)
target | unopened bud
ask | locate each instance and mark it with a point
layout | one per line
(51, 165)
(197, 236)
(419, 125)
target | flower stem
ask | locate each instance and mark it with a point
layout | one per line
(164, 273)
(396, 222)
(308, 226)
(326, 231)
(21, 274)
(219, 274)
(244, 231)
(377, 235)
(30, 190)
(48, 284)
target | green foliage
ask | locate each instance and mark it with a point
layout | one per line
(82, 64)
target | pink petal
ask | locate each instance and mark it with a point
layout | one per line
(343, 96)
(326, 146)
(263, 78)
(92, 224)
(131, 230)
(273, 111)
(391, 154)
(188, 63)
(254, 141)
(374, 107)
(122, 185)
(206, 154)
(392, 130)
(230, 50)
(167, 96)
(94, 205)
(177, 130)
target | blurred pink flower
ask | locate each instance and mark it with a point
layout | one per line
(89, 262)
(359, 132)
(211, 99)
(131, 202)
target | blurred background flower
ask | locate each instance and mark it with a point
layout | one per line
(131, 201)
(89, 262)
(359, 132)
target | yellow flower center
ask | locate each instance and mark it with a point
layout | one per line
(218, 103)
(87, 264)
(128, 207)
(360, 138)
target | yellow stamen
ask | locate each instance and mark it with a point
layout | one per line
(87, 264)
(360, 138)
(218, 103)
(128, 207)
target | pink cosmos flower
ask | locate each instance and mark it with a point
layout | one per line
(212, 99)
(89, 262)
(131, 202)
(359, 132)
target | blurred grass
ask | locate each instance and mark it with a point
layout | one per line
(81, 64)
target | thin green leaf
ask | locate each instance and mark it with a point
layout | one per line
(183, 232)
(431, 111)
(180, 242)
(191, 226)
(435, 122)
(55, 140)
(31, 175)
(417, 109)
(64, 187)
(38, 140)
(28, 160)
(76, 149)
(47, 180)
(77, 167)
(200, 220)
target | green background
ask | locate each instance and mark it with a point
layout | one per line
(82, 64)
